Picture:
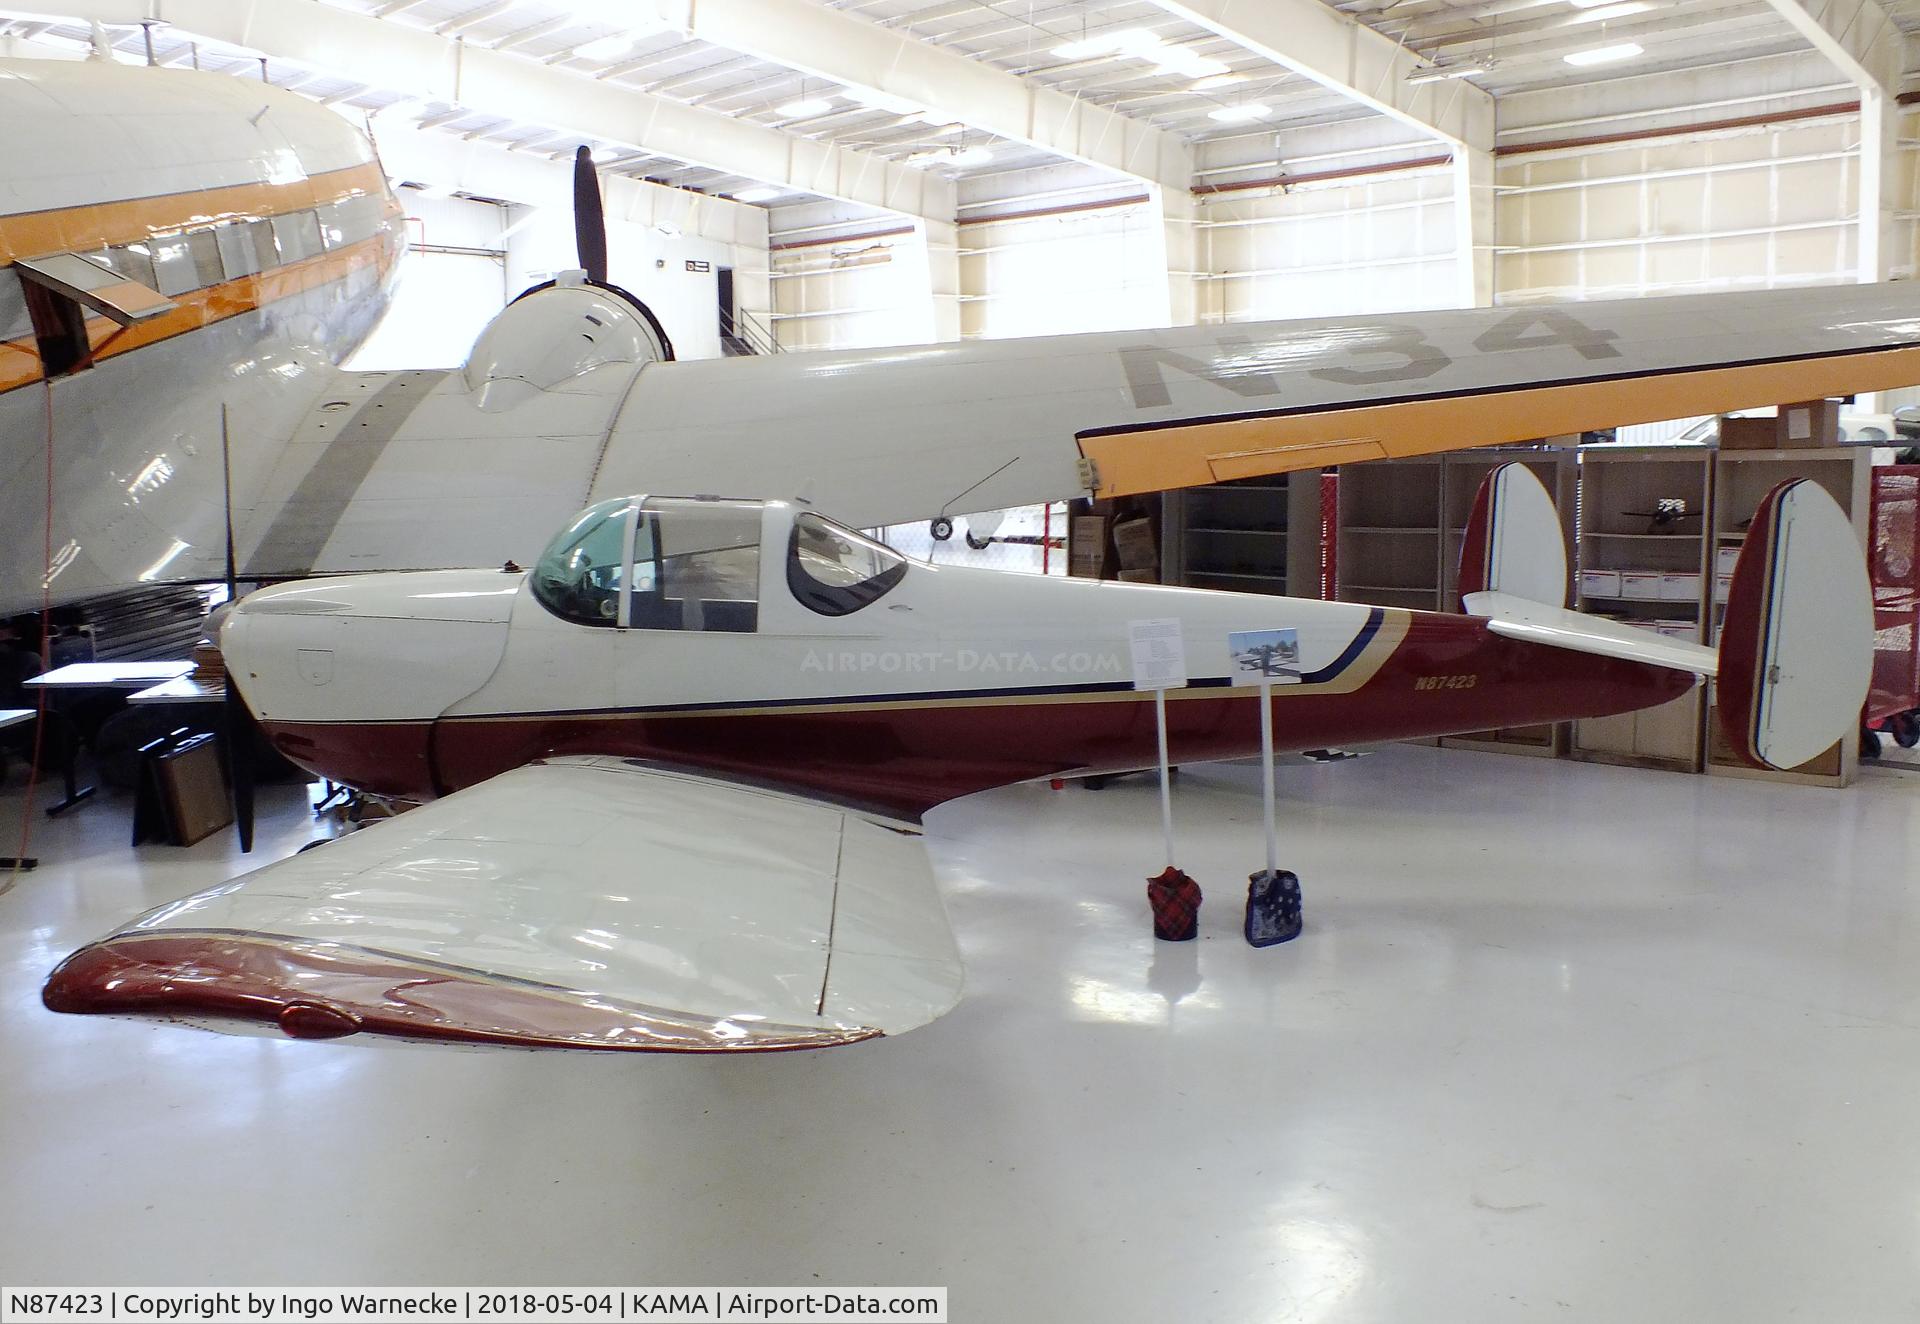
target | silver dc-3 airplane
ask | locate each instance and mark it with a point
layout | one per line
(675, 765)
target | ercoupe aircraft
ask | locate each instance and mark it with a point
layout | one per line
(192, 258)
(673, 768)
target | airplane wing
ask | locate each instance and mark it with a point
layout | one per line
(582, 903)
(886, 436)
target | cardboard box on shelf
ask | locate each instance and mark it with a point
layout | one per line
(1133, 540)
(1794, 427)
(1640, 584)
(1600, 583)
(1089, 531)
(1726, 558)
(1680, 586)
(1722, 586)
(1678, 629)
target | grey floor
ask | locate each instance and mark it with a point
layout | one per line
(1560, 1042)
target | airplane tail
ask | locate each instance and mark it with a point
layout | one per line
(1796, 647)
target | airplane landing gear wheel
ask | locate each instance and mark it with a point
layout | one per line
(978, 544)
(1869, 743)
(941, 529)
(1905, 729)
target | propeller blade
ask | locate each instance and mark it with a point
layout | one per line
(240, 762)
(589, 217)
(239, 722)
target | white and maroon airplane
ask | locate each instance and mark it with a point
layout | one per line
(674, 768)
(177, 247)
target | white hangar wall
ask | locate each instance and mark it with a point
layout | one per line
(1738, 176)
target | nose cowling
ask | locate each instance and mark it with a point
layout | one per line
(347, 676)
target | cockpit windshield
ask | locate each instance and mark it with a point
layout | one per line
(656, 563)
(836, 571)
(579, 576)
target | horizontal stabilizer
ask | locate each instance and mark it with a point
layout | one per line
(1797, 647)
(1515, 544)
(1557, 627)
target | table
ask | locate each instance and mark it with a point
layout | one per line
(182, 689)
(98, 676)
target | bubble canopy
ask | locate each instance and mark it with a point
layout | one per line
(694, 563)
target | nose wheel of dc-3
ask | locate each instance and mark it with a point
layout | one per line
(941, 529)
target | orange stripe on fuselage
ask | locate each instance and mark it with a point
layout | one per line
(104, 224)
(20, 360)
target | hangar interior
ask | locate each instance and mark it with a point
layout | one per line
(1586, 1037)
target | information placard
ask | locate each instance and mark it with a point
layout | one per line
(1159, 654)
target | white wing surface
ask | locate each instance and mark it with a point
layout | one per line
(584, 903)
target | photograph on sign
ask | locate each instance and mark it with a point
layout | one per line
(1159, 654)
(1274, 654)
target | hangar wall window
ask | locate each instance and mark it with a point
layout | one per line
(835, 571)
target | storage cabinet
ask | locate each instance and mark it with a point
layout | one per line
(1643, 556)
(1254, 535)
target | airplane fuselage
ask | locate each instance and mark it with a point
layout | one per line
(262, 217)
(953, 681)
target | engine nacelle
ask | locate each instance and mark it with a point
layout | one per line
(557, 333)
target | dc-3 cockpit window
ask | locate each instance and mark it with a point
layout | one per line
(835, 571)
(656, 564)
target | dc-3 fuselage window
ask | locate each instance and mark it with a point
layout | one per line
(578, 577)
(835, 571)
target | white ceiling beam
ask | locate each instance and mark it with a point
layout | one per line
(1319, 42)
(841, 48)
(1859, 39)
(534, 179)
(437, 68)
(1857, 36)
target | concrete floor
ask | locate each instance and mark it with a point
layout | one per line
(1560, 1042)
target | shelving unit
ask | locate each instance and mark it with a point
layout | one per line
(1388, 542)
(1621, 488)
(1254, 535)
(1741, 479)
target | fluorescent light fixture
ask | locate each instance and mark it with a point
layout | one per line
(1441, 72)
(804, 108)
(758, 193)
(1602, 13)
(1626, 50)
(605, 153)
(606, 50)
(1179, 60)
(948, 156)
(1217, 80)
(1241, 114)
(1127, 41)
(877, 100)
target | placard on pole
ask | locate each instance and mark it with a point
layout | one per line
(1273, 900)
